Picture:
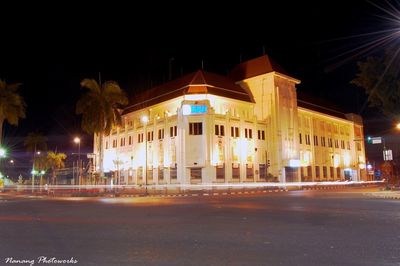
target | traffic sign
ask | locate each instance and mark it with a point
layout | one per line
(387, 155)
(376, 140)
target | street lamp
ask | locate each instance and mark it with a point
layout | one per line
(145, 120)
(33, 172)
(78, 141)
(398, 126)
(3, 152)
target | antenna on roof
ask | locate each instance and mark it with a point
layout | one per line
(100, 78)
(240, 58)
(263, 49)
(202, 64)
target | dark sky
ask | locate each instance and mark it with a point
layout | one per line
(51, 48)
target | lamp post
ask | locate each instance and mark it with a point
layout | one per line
(33, 172)
(145, 120)
(78, 141)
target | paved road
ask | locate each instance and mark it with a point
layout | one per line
(287, 228)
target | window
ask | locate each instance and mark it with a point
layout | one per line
(317, 174)
(261, 134)
(122, 142)
(150, 136)
(307, 137)
(161, 133)
(140, 137)
(316, 140)
(235, 172)
(130, 140)
(342, 144)
(172, 172)
(196, 128)
(300, 139)
(358, 146)
(248, 133)
(332, 172)
(219, 130)
(106, 144)
(325, 171)
(323, 141)
(348, 145)
(336, 143)
(330, 142)
(309, 169)
(249, 172)
(172, 131)
(160, 173)
(195, 173)
(234, 132)
(263, 171)
(338, 173)
(220, 172)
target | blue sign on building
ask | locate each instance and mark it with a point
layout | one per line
(189, 109)
(198, 109)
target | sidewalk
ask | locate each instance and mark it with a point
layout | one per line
(384, 194)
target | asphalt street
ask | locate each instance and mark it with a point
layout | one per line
(344, 227)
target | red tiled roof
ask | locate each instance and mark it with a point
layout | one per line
(254, 67)
(199, 82)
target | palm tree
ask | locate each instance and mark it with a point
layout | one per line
(55, 161)
(35, 142)
(40, 165)
(12, 105)
(100, 109)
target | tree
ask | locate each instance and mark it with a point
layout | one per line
(100, 109)
(35, 142)
(40, 165)
(55, 161)
(12, 105)
(380, 78)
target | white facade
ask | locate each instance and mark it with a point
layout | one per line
(206, 137)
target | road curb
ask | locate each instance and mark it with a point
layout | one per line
(383, 195)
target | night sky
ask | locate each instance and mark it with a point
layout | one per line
(50, 49)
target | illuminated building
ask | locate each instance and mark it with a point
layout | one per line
(248, 126)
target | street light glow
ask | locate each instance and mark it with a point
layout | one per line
(77, 140)
(398, 126)
(145, 119)
(2, 152)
